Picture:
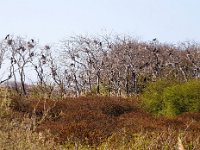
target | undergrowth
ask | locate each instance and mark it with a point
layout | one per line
(92, 122)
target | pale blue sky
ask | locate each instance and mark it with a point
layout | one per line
(52, 20)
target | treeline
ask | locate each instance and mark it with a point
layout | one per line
(108, 65)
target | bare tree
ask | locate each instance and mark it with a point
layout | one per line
(83, 58)
(22, 53)
(3, 57)
(81, 64)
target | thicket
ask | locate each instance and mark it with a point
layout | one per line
(91, 122)
(166, 97)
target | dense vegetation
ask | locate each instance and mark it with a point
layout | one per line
(99, 93)
(92, 122)
(170, 98)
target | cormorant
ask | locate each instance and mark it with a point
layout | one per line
(7, 36)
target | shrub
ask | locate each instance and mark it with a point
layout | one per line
(182, 98)
(152, 97)
(170, 99)
(116, 110)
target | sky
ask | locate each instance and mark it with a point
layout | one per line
(53, 20)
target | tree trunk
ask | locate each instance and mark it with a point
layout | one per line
(98, 82)
(23, 82)
(134, 82)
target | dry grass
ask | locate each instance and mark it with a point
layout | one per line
(91, 122)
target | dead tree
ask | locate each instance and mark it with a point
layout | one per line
(4, 56)
(21, 52)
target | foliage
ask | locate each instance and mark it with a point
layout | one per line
(42, 117)
(170, 98)
(92, 122)
(152, 97)
(15, 135)
(166, 140)
(182, 98)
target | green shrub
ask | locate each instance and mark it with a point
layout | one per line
(152, 97)
(182, 98)
(170, 99)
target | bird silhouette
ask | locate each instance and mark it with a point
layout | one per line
(154, 39)
(31, 54)
(43, 57)
(7, 36)
(95, 42)
(12, 60)
(47, 47)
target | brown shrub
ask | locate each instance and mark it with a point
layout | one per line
(91, 120)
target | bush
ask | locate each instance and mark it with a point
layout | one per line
(152, 97)
(182, 98)
(170, 99)
(113, 109)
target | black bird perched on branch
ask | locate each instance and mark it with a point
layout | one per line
(12, 60)
(95, 42)
(47, 47)
(7, 36)
(32, 40)
(100, 44)
(154, 39)
(22, 48)
(31, 54)
(43, 57)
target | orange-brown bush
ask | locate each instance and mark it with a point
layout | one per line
(91, 120)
